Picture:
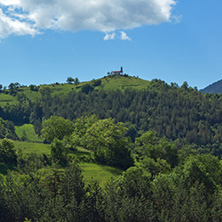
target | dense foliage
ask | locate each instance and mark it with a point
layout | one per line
(56, 127)
(7, 129)
(167, 139)
(191, 191)
(7, 152)
(181, 114)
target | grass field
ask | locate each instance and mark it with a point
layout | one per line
(102, 174)
(27, 132)
(29, 147)
(7, 99)
(121, 82)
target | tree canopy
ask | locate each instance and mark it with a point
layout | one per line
(108, 140)
(56, 127)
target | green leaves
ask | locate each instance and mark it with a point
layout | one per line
(7, 129)
(58, 152)
(148, 145)
(56, 127)
(108, 140)
(7, 152)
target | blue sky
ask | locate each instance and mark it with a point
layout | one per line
(47, 41)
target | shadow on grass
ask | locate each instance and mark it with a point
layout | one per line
(5, 100)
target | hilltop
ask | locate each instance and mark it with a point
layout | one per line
(33, 93)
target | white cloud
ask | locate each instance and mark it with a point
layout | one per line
(110, 36)
(124, 36)
(9, 2)
(29, 16)
(10, 26)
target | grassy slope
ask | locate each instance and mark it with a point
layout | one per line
(29, 147)
(7, 99)
(121, 82)
(90, 171)
(34, 95)
(27, 131)
(25, 147)
(108, 83)
(102, 174)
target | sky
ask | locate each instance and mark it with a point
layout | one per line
(46, 41)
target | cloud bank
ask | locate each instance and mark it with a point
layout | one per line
(21, 17)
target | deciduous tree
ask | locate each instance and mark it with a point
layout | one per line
(109, 142)
(56, 127)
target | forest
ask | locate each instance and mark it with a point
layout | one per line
(165, 140)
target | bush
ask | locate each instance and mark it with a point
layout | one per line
(97, 83)
(87, 88)
(33, 88)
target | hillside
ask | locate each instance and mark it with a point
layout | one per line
(179, 113)
(106, 83)
(215, 87)
(97, 150)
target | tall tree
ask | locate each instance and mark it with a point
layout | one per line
(70, 80)
(109, 142)
(56, 127)
(7, 152)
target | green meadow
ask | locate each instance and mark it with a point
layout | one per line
(122, 83)
(30, 147)
(7, 99)
(90, 171)
(100, 173)
(27, 132)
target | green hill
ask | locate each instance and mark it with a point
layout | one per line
(115, 82)
(123, 82)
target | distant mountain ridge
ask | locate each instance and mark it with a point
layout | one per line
(215, 87)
